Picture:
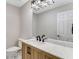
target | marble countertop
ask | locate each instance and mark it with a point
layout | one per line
(53, 49)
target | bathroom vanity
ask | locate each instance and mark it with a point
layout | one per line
(30, 52)
(32, 49)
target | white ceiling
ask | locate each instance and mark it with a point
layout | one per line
(57, 3)
(17, 3)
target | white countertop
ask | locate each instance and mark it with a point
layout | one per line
(53, 49)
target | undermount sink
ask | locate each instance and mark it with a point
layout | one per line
(36, 42)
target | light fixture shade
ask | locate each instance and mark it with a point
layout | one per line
(39, 4)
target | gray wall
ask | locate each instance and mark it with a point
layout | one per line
(26, 20)
(47, 21)
(12, 25)
(18, 23)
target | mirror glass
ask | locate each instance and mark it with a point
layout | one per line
(53, 18)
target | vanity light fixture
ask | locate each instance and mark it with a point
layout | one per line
(39, 4)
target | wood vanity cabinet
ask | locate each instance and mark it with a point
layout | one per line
(29, 52)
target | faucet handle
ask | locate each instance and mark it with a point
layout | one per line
(38, 38)
(42, 36)
(43, 40)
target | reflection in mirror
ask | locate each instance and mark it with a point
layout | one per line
(56, 22)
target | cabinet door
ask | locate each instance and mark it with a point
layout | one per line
(37, 54)
(41, 55)
(51, 57)
(48, 57)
